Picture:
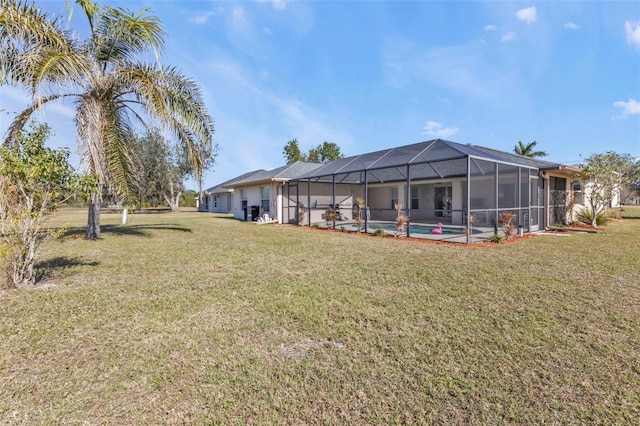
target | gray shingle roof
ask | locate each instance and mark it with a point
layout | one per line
(283, 173)
(227, 186)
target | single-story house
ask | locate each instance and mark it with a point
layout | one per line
(219, 199)
(254, 194)
(462, 187)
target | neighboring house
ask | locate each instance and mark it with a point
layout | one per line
(435, 181)
(219, 198)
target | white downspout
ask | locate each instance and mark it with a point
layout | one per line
(279, 203)
(547, 197)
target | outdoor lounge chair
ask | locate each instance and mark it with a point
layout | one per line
(265, 219)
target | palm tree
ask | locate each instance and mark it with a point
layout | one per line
(111, 87)
(527, 150)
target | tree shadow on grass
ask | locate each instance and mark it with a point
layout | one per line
(119, 230)
(57, 264)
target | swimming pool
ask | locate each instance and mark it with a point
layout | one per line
(419, 228)
(416, 228)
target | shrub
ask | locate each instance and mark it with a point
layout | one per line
(506, 219)
(615, 214)
(301, 214)
(358, 213)
(34, 180)
(330, 215)
(495, 238)
(401, 222)
(586, 216)
(379, 232)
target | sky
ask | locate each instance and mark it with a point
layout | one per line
(371, 75)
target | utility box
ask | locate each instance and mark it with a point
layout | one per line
(255, 213)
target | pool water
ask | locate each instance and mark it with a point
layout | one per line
(418, 228)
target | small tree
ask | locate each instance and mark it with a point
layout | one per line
(330, 215)
(401, 220)
(506, 219)
(162, 169)
(604, 175)
(34, 180)
(358, 213)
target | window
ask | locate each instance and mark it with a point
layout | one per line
(264, 193)
(215, 201)
(577, 192)
(415, 198)
(243, 197)
(394, 197)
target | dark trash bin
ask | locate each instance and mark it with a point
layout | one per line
(255, 213)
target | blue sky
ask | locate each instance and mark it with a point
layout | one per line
(373, 75)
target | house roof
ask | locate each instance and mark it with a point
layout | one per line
(431, 159)
(227, 186)
(437, 150)
(280, 174)
(519, 159)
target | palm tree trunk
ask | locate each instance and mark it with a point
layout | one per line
(93, 221)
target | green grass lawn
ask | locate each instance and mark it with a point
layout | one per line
(630, 212)
(200, 319)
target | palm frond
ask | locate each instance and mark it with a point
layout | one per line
(90, 9)
(178, 104)
(58, 68)
(24, 30)
(19, 122)
(121, 35)
(90, 125)
(117, 138)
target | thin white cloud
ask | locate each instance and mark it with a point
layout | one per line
(633, 33)
(433, 128)
(239, 18)
(460, 69)
(629, 108)
(490, 28)
(201, 18)
(253, 112)
(509, 36)
(571, 26)
(277, 4)
(527, 15)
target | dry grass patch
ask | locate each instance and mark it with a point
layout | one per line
(195, 318)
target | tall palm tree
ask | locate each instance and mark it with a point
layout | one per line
(110, 85)
(527, 150)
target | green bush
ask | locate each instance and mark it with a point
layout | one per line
(380, 232)
(495, 238)
(586, 215)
